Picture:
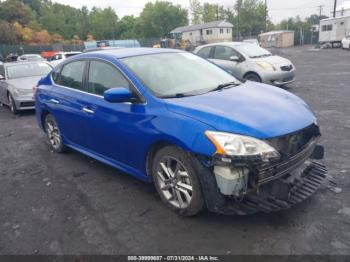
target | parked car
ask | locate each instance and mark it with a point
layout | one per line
(30, 58)
(248, 61)
(252, 41)
(170, 117)
(17, 80)
(346, 42)
(60, 56)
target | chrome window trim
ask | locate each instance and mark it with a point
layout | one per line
(85, 92)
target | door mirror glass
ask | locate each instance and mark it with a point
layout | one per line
(117, 95)
(235, 58)
(2, 77)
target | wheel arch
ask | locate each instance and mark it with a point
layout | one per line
(43, 115)
(155, 147)
(252, 72)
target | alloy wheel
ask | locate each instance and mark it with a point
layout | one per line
(53, 133)
(174, 182)
(11, 104)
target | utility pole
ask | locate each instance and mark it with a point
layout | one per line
(265, 15)
(320, 7)
(335, 8)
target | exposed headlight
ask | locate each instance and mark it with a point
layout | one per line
(237, 145)
(266, 66)
(20, 91)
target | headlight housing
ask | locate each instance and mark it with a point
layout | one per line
(20, 91)
(233, 145)
(266, 66)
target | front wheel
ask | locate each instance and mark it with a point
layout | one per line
(252, 77)
(176, 181)
(12, 104)
(54, 134)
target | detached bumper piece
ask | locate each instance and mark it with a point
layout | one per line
(279, 194)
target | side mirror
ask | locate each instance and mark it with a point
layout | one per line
(118, 95)
(2, 77)
(235, 58)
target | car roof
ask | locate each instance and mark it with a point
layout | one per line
(24, 63)
(230, 44)
(30, 55)
(129, 52)
(71, 52)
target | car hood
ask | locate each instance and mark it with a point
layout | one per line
(275, 60)
(251, 109)
(25, 82)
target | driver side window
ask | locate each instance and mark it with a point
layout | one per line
(103, 76)
(224, 53)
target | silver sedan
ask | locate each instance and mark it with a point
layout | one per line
(248, 61)
(17, 80)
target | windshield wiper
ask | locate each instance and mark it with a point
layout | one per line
(259, 56)
(178, 95)
(224, 86)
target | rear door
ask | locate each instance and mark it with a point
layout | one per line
(67, 102)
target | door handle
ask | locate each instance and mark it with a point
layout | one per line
(87, 110)
(54, 101)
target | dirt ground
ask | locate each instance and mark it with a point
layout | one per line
(70, 204)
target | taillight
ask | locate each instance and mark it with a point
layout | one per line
(35, 88)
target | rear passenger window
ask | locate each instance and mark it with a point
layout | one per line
(204, 52)
(103, 76)
(72, 75)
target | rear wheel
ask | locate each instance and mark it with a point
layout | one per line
(176, 181)
(12, 104)
(54, 134)
(252, 77)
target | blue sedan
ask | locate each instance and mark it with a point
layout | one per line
(169, 117)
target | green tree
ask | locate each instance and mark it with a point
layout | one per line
(7, 35)
(213, 12)
(127, 27)
(196, 12)
(103, 23)
(159, 18)
(249, 19)
(15, 11)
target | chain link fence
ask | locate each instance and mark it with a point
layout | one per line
(34, 49)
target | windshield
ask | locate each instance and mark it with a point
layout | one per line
(253, 51)
(172, 74)
(27, 70)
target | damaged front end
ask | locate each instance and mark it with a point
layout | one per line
(271, 181)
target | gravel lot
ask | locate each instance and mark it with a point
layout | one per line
(71, 204)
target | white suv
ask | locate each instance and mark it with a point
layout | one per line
(346, 42)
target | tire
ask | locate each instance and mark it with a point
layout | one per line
(54, 134)
(12, 104)
(176, 181)
(252, 77)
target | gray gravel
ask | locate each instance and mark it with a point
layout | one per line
(71, 204)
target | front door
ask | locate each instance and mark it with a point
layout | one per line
(222, 57)
(113, 128)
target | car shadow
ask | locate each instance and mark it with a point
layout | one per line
(141, 189)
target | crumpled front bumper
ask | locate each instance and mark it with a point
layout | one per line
(279, 194)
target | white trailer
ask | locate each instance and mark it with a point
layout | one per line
(333, 30)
